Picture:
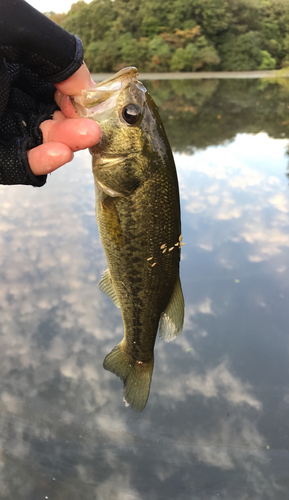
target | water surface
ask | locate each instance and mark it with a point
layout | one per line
(216, 424)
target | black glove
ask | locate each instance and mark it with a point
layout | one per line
(34, 54)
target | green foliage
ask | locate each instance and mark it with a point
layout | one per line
(133, 52)
(181, 35)
(183, 59)
(91, 22)
(241, 53)
(213, 16)
(159, 53)
(100, 56)
(267, 62)
(150, 26)
(194, 56)
(206, 56)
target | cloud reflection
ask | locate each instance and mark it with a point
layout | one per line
(232, 184)
(64, 431)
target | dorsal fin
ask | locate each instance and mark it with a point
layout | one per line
(106, 286)
(172, 319)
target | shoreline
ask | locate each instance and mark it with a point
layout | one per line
(98, 77)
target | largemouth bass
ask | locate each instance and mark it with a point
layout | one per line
(138, 215)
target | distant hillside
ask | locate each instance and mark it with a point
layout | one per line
(181, 35)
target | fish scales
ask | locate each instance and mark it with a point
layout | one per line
(149, 287)
(138, 215)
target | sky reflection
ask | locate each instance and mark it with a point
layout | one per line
(216, 422)
(224, 184)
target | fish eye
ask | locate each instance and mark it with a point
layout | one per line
(131, 113)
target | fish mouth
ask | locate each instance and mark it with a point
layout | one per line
(103, 102)
(97, 102)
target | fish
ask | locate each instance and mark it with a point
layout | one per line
(138, 216)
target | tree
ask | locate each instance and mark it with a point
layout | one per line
(56, 18)
(184, 35)
(183, 59)
(213, 16)
(91, 22)
(128, 19)
(267, 62)
(133, 52)
(159, 53)
(150, 26)
(241, 53)
(102, 55)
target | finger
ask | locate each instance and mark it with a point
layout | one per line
(64, 103)
(48, 157)
(80, 80)
(58, 116)
(77, 134)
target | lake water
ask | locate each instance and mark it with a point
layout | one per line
(216, 425)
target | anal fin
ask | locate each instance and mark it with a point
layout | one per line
(105, 285)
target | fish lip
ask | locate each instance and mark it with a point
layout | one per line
(130, 73)
(89, 105)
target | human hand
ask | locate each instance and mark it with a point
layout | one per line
(67, 132)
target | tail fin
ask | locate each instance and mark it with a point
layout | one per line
(136, 376)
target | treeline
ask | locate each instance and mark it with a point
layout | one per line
(181, 35)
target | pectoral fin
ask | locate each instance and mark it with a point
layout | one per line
(172, 319)
(108, 210)
(105, 285)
